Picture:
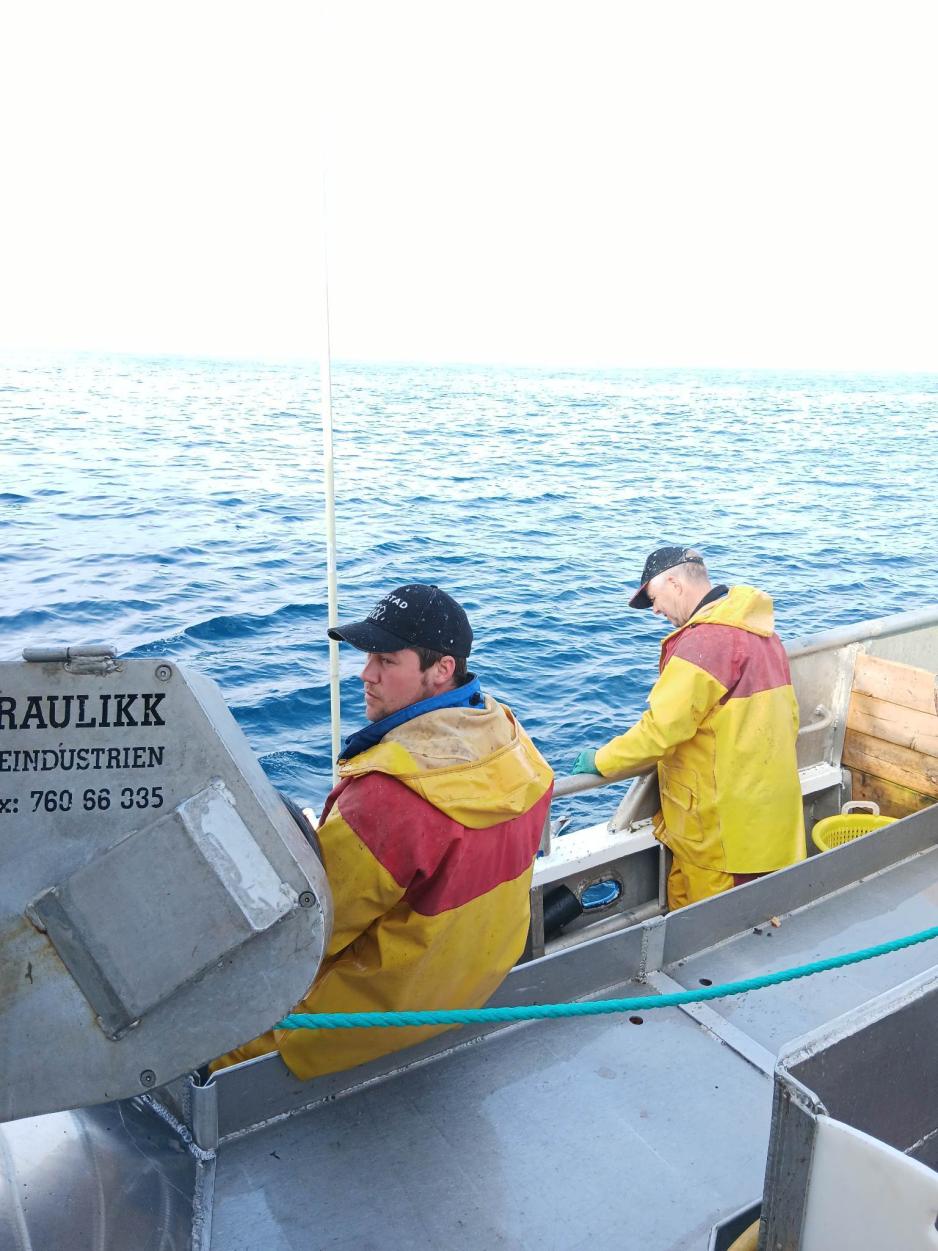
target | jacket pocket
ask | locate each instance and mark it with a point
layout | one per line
(679, 789)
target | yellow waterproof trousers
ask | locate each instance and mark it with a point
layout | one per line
(688, 884)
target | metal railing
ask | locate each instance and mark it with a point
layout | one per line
(577, 783)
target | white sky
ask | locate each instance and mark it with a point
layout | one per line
(562, 183)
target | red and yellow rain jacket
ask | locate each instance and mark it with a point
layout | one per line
(721, 726)
(428, 841)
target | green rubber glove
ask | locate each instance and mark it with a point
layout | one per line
(586, 762)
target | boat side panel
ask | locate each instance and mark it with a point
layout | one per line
(913, 632)
(915, 647)
(706, 924)
(882, 1079)
(870, 1069)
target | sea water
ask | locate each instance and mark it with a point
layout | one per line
(175, 508)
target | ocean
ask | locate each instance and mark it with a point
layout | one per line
(175, 507)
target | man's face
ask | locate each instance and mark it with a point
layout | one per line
(394, 680)
(669, 598)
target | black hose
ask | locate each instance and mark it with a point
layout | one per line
(561, 906)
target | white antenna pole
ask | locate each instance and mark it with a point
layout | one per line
(325, 388)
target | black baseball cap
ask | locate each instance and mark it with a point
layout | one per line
(661, 559)
(415, 615)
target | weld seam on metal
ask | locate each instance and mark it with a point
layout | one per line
(182, 1130)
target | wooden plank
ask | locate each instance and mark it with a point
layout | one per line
(891, 745)
(894, 723)
(894, 801)
(893, 754)
(892, 763)
(898, 684)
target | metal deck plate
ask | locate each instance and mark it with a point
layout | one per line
(567, 1134)
(900, 901)
(586, 1132)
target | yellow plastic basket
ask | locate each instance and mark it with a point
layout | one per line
(835, 831)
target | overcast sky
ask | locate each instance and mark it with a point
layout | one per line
(573, 184)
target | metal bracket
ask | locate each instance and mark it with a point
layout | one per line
(758, 1056)
(534, 945)
(204, 1110)
(824, 718)
(652, 956)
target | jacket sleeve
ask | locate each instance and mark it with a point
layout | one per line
(679, 701)
(362, 888)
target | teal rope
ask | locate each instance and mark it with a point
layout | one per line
(598, 1007)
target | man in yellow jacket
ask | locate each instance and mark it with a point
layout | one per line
(721, 726)
(428, 840)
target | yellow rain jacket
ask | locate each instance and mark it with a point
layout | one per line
(721, 725)
(428, 841)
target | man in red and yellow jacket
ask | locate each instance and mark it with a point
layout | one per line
(428, 840)
(721, 726)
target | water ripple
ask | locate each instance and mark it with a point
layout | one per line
(533, 496)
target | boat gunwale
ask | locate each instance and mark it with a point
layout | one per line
(880, 627)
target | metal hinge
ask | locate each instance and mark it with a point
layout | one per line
(86, 658)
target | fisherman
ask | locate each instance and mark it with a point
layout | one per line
(721, 727)
(428, 840)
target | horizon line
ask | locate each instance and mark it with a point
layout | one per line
(533, 366)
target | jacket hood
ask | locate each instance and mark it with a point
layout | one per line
(475, 764)
(744, 607)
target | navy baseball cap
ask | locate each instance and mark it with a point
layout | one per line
(662, 559)
(415, 615)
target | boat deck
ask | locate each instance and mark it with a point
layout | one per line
(585, 1132)
(628, 1131)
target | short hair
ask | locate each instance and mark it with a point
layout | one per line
(693, 567)
(427, 657)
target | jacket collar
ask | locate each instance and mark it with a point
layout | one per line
(715, 593)
(469, 695)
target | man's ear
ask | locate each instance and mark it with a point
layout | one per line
(446, 667)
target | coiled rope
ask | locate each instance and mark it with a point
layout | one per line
(598, 1007)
